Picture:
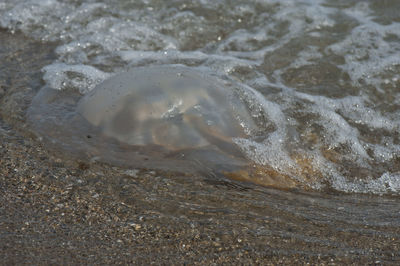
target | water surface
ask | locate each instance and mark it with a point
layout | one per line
(325, 77)
(327, 72)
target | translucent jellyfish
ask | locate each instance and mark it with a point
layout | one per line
(161, 117)
(173, 107)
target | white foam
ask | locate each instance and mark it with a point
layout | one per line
(137, 58)
(80, 77)
(306, 57)
(38, 18)
(222, 64)
(335, 114)
(386, 183)
(366, 52)
(271, 150)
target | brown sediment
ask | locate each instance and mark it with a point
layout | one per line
(331, 155)
(302, 176)
(265, 176)
(307, 172)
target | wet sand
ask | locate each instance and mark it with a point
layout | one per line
(54, 212)
(56, 209)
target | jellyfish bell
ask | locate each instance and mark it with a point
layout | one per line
(159, 117)
(174, 107)
(160, 113)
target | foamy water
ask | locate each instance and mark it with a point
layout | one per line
(322, 78)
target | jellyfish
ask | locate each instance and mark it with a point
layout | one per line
(173, 107)
(169, 117)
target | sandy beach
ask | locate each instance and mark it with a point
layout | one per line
(55, 209)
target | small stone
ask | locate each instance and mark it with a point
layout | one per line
(136, 226)
(132, 172)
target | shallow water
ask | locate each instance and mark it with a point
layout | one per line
(326, 72)
(326, 75)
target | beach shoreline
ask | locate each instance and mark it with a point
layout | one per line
(57, 210)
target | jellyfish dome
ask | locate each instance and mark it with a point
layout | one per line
(174, 107)
(168, 117)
